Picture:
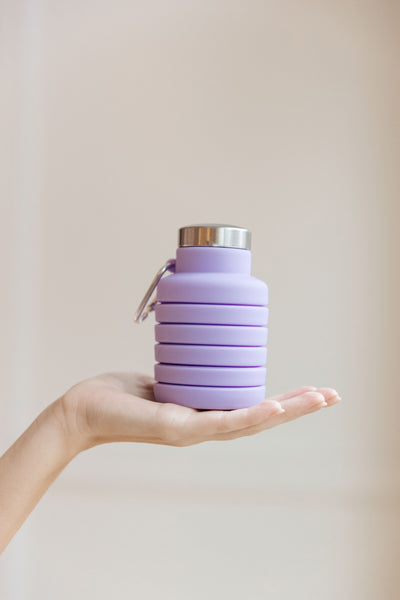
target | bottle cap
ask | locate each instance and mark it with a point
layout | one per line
(213, 234)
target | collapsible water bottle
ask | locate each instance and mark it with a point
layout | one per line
(211, 318)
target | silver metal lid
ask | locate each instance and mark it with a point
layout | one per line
(213, 234)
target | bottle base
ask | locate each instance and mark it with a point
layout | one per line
(209, 398)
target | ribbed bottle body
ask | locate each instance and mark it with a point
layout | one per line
(211, 331)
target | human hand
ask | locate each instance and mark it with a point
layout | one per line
(120, 407)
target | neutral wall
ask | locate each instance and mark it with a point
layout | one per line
(122, 121)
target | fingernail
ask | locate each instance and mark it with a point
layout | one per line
(334, 399)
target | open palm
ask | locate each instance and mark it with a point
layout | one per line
(121, 407)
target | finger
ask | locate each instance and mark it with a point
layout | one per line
(303, 404)
(292, 393)
(295, 407)
(210, 423)
(235, 420)
(331, 396)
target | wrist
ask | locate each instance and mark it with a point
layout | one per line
(60, 419)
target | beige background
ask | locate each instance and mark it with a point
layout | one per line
(120, 122)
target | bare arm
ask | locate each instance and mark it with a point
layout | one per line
(120, 407)
(28, 468)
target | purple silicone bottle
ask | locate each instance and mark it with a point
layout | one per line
(212, 315)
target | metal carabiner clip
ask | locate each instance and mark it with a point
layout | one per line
(147, 305)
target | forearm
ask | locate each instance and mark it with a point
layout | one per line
(29, 467)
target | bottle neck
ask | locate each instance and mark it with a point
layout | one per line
(203, 259)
